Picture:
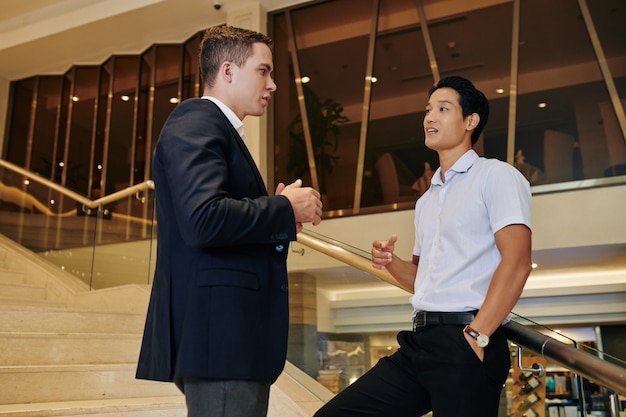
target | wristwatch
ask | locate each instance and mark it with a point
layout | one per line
(481, 339)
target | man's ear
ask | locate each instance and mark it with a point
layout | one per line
(473, 120)
(226, 71)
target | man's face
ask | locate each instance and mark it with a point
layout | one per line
(252, 83)
(444, 125)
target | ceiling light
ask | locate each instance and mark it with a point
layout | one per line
(533, 265)
(74, 98)
(305, 80)
(500, 90)
(542, 105)
(174, 100)
(125, 97)
(374, 79)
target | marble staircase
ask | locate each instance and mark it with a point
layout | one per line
(69, 351)
(60, 356)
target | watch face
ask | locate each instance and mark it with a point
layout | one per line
(482, 340)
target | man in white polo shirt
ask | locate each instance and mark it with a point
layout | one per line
(471, 260)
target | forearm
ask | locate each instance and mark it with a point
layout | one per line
(504, 292)
(403, 271)
(508, 279)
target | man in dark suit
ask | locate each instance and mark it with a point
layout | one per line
(218, 314)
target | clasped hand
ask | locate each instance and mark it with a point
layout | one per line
(305, 201)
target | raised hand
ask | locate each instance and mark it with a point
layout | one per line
(382, 252)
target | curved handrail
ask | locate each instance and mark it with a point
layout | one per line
(583, 363)
(118, 195)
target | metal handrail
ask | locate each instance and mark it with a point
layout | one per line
(118, 195)
(580, 362)
(583, 363)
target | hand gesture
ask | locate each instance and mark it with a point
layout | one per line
(305, 201)
(382, 252)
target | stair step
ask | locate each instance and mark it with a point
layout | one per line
(169, 406)
(11, 275)
(12, 301)
(20, 348)
(15, 317)
(22, 291)
(23, 384)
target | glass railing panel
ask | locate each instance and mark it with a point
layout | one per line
(125, 241)
(335, 336)
(345, 317)
(78, 235)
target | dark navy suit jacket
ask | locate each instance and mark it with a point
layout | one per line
(219, 302)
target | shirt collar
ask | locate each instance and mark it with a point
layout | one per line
(230, 115)
(461, 165)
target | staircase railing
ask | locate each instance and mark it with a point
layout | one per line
(80, 235)
(609, 375)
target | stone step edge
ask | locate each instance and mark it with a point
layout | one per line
(52, 368)
(64, 408)
(60, 308)
(68, 335)
(30, 302)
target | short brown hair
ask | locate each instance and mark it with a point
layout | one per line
(226, 43)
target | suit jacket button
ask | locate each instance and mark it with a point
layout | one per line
(284, 287)
(280, 248)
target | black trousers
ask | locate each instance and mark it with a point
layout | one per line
(435, 369)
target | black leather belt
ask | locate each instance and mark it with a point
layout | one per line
(436, 318)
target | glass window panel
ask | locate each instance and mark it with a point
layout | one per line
(125, 71)
(144, 114)
(608, 17)
(191, 68)
(559, 135)
(395, 153)
(81, 128)
(332, 40)
(19, 131)
(285, 102)
(475, 43)
(168, 72)
(98, 183)
(45, 128)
